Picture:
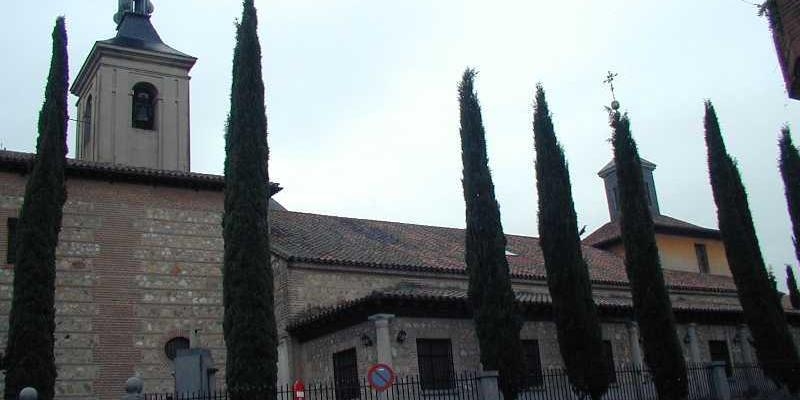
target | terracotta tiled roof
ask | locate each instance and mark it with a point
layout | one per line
(314, 238)
(610, 233)
(23, 162)
(410, 292)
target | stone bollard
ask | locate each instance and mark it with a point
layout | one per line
(28, 393)
(133, 389)
(719, 381)
(489, 387)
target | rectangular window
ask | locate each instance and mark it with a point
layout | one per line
(11, 249)
(534, 362)
(647, 194)
(345, 374)
(435, 358)
(719, 352)
(702, 257)
(608, 351)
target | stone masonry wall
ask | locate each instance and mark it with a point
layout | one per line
(317, 354)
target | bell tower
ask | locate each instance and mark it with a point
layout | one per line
(609, 176)
(133, 96)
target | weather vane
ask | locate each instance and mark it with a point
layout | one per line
(610, 81)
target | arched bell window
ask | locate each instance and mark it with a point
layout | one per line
(143, 113)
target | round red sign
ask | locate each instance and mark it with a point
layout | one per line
(380, 377)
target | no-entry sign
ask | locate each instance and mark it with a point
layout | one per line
(380, 377)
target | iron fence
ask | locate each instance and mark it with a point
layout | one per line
(464, 385)
(628, 383)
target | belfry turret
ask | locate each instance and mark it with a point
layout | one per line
(133, 96)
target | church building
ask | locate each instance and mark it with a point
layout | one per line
(140, 255)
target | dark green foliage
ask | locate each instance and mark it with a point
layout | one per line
(790, 171)
(762, 312)
(496, 314)
(652, 307)
(29, 358)
(794, 293)
(579, 337)
(249, 321)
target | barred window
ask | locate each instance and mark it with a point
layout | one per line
(608, 352)
(435, 358)
(719, 352)
(11, 243)
(345, 374)
(534, 363)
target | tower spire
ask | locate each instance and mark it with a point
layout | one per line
(140, 7)
(610, 81)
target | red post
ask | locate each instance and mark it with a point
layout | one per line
(299, 390)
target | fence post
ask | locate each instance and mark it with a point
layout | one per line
(719, 381)
(28, 393)
(133, 389)
(489, 387)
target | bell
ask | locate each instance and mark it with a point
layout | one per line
(141, 114)
(142, 108)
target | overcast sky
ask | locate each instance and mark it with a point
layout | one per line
(362, 100)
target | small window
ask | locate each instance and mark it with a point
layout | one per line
(647, 194)
(86, 123)
(435, 359)
(615, 206)
(345, 374)
(608, 352)
(702, 257)
(719, 352)
(175, 344)
(534, 362)
(11, 243)
(143, 113)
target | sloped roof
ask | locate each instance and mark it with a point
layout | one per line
(324, 239)
(611, 167)
(23, 162)
(408, 299)
(135, 31)
(610, 232)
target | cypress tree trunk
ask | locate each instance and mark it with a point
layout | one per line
(794, 293)
(651, 303)
(29, 358)
(495, 311)
(249, 321)
(790, 171)
(762, 310)
(575, 313)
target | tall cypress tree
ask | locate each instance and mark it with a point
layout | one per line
(790, 171)
(651, 303)
(495, 311)
(791, 283)
(579, 337)
(29, 358)
(249, 321)
(762, 310)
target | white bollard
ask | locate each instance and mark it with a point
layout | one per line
(28, 393)
(133, 389)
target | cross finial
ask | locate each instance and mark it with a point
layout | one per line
(610, 81)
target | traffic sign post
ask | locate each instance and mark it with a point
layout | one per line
(381, 377)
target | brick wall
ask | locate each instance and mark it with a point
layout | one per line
(137, 265)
